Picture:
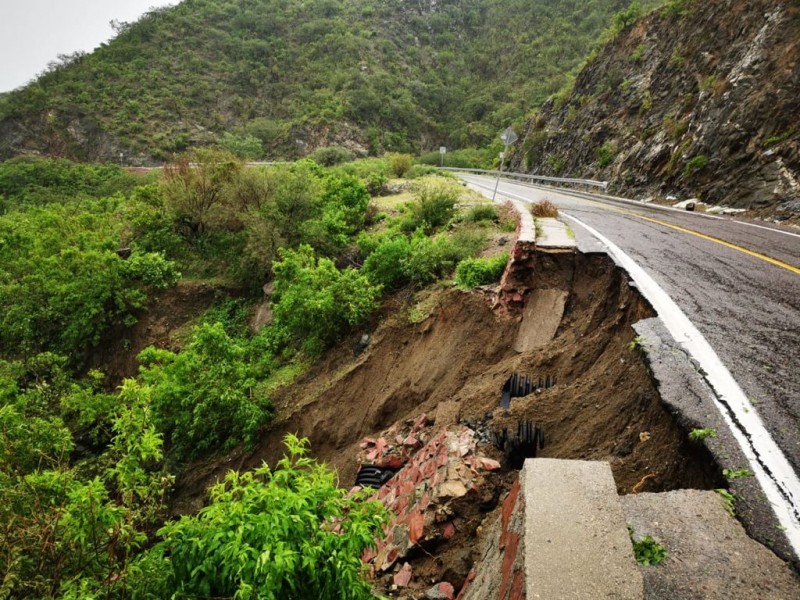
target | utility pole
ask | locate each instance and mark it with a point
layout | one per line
(508, 137)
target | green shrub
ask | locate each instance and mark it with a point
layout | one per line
(375, 183)
(247, 147)
(400, 164)
(472, 272)
(434, 205)
(647, 551)
(605, 154)
(386, 264)
(314, 302)
(332, 155)
(288, 533)
(204, 397)
(433, 258)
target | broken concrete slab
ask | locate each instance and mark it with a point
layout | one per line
(561, 534)
(709, 554)
(576, 539)
(540, 319)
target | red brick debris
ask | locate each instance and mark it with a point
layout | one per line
(420, 494)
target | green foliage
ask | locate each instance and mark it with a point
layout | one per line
(695, 164)
(384, 74)
(606, 154)
(481, 212)
(729, 500)
(400, 164)
(332, 155)
(242, 146)
(36, 181)
(627, 17)
(288, 533)
(472, 272)
(678, 8)
(386, 265)
(64, 536)
(434, 205)
(701, 434)
(731, 474)
(433, 258)
(62, 283)
(647, 551)
(314, 302)
(205, 397)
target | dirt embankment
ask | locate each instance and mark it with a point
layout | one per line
(605, 405)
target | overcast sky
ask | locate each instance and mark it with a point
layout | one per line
(35, 32)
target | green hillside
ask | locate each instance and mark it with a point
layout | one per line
(280, 78)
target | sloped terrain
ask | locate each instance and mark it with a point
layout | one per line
(605, 405)
(293, 76)
(698, 99)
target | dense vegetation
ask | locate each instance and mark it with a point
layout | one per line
(284, 77)
(86, 468)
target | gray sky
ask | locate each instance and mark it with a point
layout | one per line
(35, 32)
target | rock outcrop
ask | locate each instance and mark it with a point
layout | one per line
(696, 99)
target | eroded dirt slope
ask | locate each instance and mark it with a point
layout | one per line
(604, 407)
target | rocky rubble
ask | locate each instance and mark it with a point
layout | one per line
(442, 481)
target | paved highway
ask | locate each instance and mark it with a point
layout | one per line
(738, 283)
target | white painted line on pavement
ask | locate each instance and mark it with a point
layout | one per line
(776, 476)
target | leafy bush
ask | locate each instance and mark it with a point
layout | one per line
(606, 154)
(314, 302)
(386, 265)
(432, 258)
(247, 146)
(472, 272)
(62, 283)
(204, 398)
(63, 536)
(332, 155)
(434, 205)
(400, 164)
(695, 164)
(288, 533)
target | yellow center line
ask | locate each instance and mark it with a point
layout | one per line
(764, 257)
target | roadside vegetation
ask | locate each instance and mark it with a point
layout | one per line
(87, 468)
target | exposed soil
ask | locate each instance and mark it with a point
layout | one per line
(161, 324)
(605, 406)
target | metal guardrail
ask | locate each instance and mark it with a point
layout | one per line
(566, 180)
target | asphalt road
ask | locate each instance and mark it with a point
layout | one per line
(741, 290)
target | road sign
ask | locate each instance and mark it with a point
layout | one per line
(509, 136)
(442, 149)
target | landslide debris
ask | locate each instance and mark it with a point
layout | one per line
(695, 100)
(422, 400)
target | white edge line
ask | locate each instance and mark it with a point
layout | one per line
(783, 488)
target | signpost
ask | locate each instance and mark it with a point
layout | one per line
(442, 150)
(508, 137)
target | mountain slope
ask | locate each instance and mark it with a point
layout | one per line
(698, 99)
(301, 74)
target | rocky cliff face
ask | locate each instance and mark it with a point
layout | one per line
(697, 99)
